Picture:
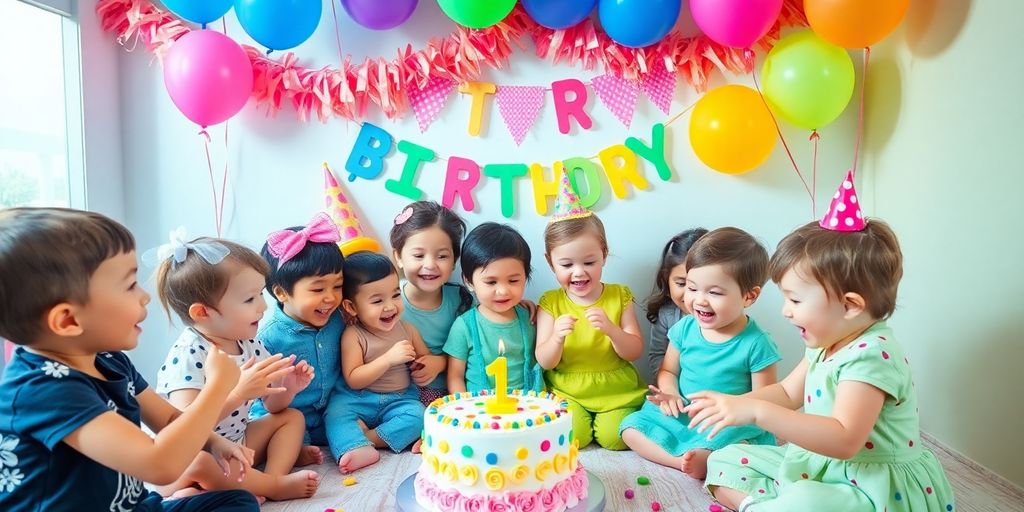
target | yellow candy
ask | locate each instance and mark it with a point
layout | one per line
(443, 446)
(522, 453)
(349, 481)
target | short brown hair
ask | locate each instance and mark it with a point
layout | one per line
(739, 254)
(194, 280)
(564, 231)
(48, 256)
(867, 262)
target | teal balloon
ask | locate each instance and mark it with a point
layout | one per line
(199, 11)
(808, 81)
(278, 24)
(477, 13)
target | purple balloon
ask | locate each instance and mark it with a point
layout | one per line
(377, 14)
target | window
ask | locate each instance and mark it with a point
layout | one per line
(41, 157)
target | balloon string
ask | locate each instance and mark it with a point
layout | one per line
(860, 114)
(218, 202)
(814, 174)
(337, 34)
(783, 139)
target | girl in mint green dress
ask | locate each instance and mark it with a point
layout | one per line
(856, 447)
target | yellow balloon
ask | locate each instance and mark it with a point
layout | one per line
(731, 130)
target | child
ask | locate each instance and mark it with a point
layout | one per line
(70, 400)
(587, 331)
(380, 396)
(857, 445)
(496, 266)
(717, 347)
(214, 286)
(665, 306)
(305, 280)
(425, 245)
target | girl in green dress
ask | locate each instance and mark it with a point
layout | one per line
(856, 446)
(587, 331)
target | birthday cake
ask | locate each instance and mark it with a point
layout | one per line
(521, 461)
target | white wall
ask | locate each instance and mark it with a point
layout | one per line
(276, 181)
(946, 160)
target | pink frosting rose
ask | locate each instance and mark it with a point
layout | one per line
(498, 504)
(526, 501)
(474, 503)
(550, 500)
(446, 500)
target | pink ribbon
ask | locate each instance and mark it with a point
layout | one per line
(285, 244)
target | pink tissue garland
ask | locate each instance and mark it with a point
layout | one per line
(461, 57)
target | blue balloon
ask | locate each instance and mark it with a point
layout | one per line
(278, 24)
(638, 23)
(558, 14)
(199, 11)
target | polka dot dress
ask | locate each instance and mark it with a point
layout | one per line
(183, 369)
(892, 471)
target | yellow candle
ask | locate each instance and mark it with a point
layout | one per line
(501, 403)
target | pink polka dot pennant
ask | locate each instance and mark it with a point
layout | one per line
(427, 102)
(618, 95)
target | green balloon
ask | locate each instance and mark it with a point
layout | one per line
(807, 80)
(477, 13)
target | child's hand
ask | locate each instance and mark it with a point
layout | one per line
(300, 378)
(224, 451)
(257, 377)
(599, 319)
(221, 372)
(715, 411)
(670, 405)
(531, 308)
(429, 367)
(564, 326)
(400, 353)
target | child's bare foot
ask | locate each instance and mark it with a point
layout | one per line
(301, 484)
(416, 446)
(695, 463)
(186, 492)
(358, 458)
(309, 455)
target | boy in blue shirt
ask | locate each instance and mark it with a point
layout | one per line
(70, 400)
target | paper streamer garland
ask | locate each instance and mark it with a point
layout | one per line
(461, 57)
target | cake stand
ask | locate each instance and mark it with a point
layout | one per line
(405, 499)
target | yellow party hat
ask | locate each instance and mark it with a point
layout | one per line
(338, 207)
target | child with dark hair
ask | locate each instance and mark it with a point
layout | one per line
(214, 286)
(496, 267)
(71, 400)
(305, 275)
(425, 242)
(665, 306)
(717, 347)
(381, 401)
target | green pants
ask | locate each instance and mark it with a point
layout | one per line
(603, 426)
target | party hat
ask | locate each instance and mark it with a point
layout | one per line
(843, 212)
(338, 207)
(567, 204)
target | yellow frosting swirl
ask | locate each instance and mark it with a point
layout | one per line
(520, 473)
(573, 453)
(431, 462)
(451, 473)
(561, 462)
(469, 474)
(543, 469)
(495, 479)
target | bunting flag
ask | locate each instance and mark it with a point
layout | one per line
(618, 95)
(660, 86)
(519, 106)
(428, 101)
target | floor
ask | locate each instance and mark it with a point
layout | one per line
(976, 489)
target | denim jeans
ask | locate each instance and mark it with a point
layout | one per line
(397, 418)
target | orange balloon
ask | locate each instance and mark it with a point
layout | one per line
(731, 129)
(854, 23)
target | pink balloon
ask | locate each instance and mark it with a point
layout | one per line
(735, 23)
(208, 76)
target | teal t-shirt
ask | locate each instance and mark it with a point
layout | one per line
(460, 345)
(724, 367)
(434, 324)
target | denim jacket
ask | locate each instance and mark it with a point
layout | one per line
(321, 348)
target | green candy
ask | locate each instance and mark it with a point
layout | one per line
(643, 480)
